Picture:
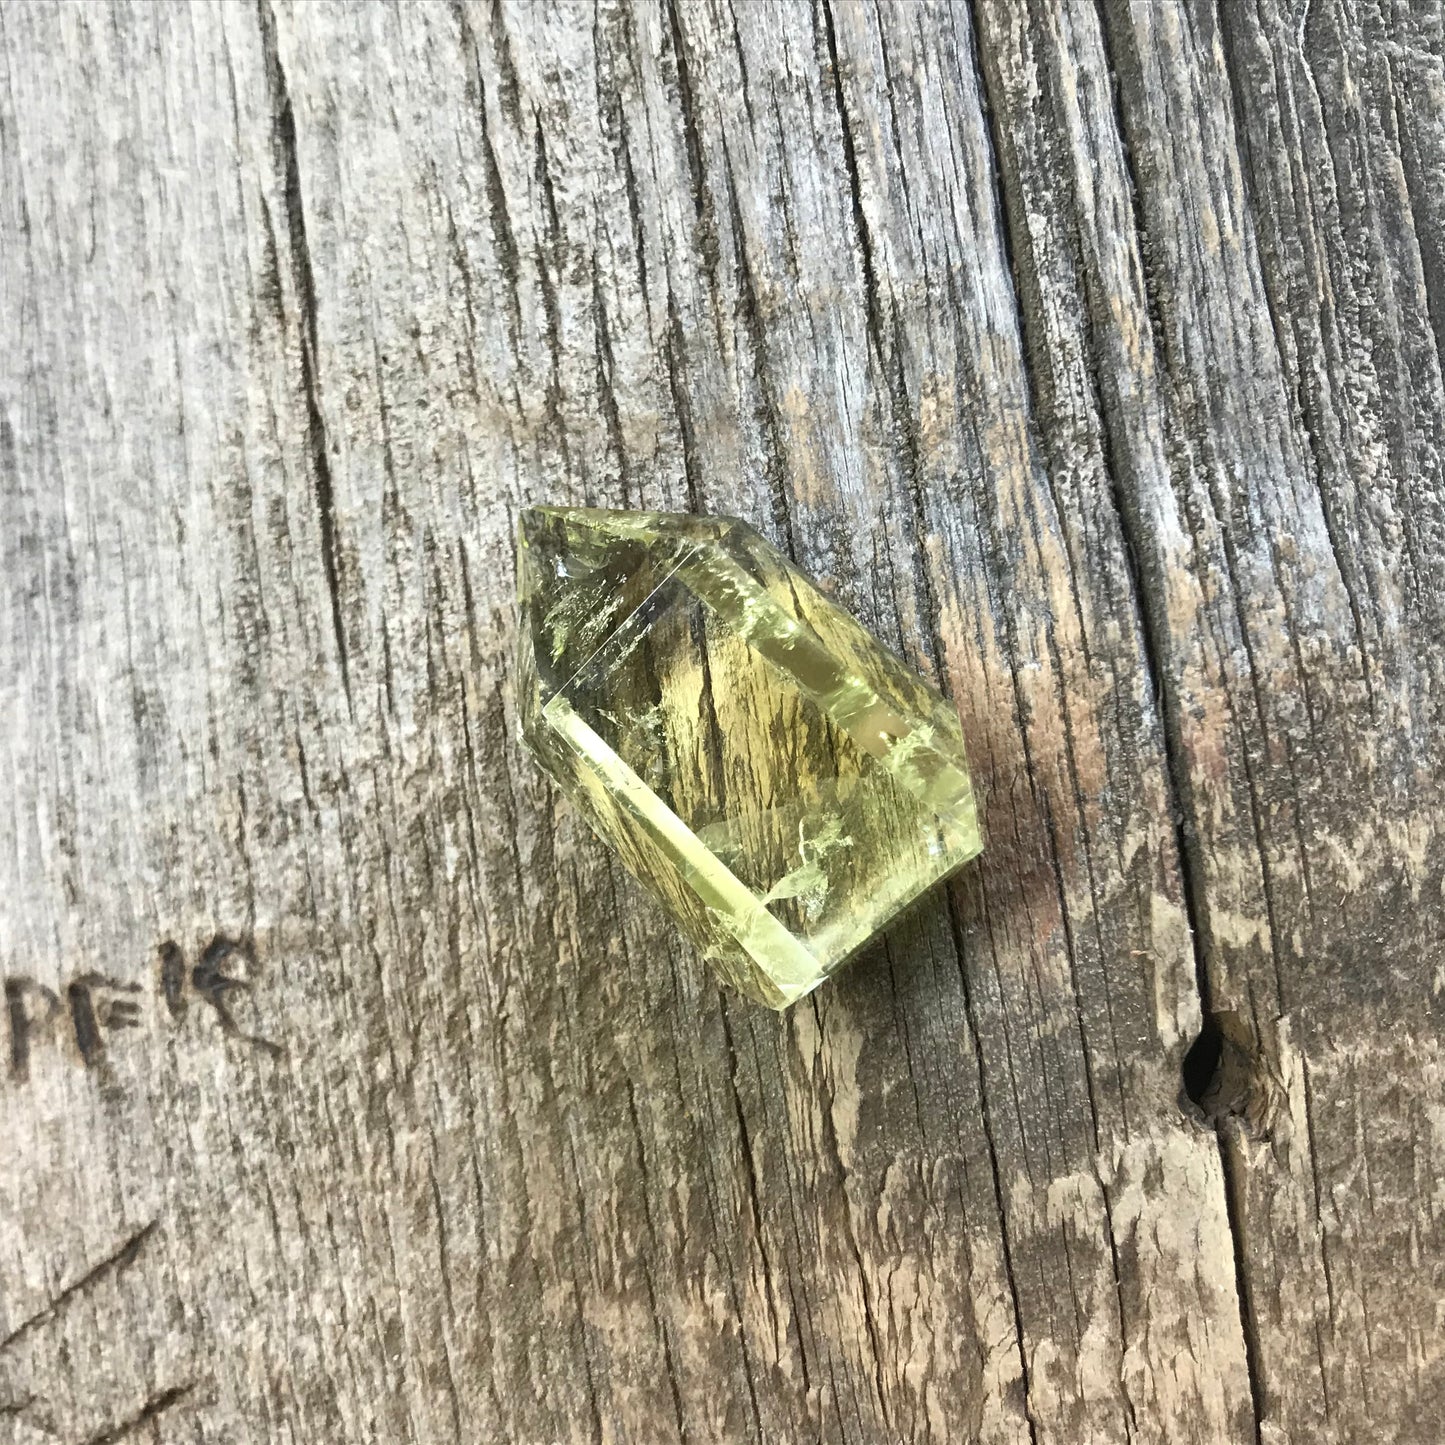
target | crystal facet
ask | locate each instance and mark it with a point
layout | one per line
(782, 783)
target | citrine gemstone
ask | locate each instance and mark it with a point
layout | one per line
(780, 781)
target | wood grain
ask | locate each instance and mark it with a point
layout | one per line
(1089, 352)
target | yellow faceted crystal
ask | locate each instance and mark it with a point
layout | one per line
(781, 782)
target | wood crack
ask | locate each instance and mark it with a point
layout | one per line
(114, 1263)
(756, 1212)
(1131, 1418)
(750, 1174)
(547, 257)
(1152, 647)
(1153, 632)
(775, 446)
(288, 161)
(157, 1405)
(830, 1140)
(986, 1110)
(706, 229)
(871, 294)
(669, 1365)
(606, 390)
(504, 238)
(1279, 309)
(444, 1274)
(675, 357)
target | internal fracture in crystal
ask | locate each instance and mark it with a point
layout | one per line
(781, 782)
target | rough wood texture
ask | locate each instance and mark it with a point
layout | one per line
(1090, 352)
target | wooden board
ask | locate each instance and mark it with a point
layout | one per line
(1089, 352)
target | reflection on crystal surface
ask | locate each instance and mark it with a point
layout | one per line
(781, 782)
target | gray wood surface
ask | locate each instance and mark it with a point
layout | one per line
(1090, 352)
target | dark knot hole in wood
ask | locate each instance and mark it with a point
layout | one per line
(1201, 1063)
(1225, 1073)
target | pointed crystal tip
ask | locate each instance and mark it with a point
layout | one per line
(780, 781)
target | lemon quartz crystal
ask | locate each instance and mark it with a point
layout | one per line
(782, 783)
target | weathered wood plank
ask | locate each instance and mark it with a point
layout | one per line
(1089, 354)
(1276, 437)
